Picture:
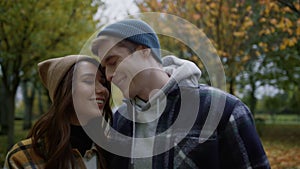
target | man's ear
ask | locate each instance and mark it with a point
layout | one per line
(144, 50)
(147, 52)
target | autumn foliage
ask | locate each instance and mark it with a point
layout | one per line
(241, 31)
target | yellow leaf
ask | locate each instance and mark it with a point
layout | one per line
(248, 9)
(267, 31)
(234, 10)
(290, 31)
(239, 34)
(257, 53)
(281, 24)
(266, 50)
(273, 21)
(298, 31)
(234, 16)
(297, 6)
(287, 9)
(262, 20)
(262, 44)
(292, 41)
(261, 32)
(213, 5)
(248, 24)
(275, 7)
(272, 29)
(196, 16)
(198, 6)
(282, 46)
(288, 22)
(246, 58)
(233, 23)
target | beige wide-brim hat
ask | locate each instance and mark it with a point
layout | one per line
(52, 71)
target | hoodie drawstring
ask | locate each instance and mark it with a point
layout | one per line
(133, 132)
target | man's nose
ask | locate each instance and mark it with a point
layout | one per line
(109, 74)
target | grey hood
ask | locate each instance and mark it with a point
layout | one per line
(184, 72)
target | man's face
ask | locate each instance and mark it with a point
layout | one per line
(124, 69)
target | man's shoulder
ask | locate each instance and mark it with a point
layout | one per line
(207, 92)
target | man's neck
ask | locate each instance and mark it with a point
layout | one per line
(156, 82)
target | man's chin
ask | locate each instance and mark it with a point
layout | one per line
(127, 95)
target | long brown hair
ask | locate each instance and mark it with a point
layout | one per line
(54, 126)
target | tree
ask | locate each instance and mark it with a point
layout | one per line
(277, 44)
(224, 22)
(34, 30)
(244, 33)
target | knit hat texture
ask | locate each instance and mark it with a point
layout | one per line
(52, 71)
(136, 31)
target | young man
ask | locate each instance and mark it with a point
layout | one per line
(165, 109)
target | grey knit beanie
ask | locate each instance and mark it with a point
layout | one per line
(136, 31)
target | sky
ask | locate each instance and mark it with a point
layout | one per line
(117, 9)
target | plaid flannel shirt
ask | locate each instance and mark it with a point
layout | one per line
(22, 155)
(235, 143)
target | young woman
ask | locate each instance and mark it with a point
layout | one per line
(79, 93)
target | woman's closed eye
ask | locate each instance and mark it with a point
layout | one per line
(89, 81)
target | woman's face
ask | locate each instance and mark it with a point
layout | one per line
(89, 92)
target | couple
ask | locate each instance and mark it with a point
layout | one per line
(159, 92)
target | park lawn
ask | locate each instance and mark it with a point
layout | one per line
(281, 143)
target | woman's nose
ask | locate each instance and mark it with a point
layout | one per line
(99, 88)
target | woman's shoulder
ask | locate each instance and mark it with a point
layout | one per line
(21, 146)
(22, 154)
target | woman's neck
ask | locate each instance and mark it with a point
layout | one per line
(79, 139)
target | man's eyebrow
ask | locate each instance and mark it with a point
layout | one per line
(109, 57)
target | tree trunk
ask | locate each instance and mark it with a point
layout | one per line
(3, 112)
(9, 104)
(253, 99)
(231, 85)
(28, 94)
(40, 101)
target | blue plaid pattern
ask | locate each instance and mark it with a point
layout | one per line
(235, 143)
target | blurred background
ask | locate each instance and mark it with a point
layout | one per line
(257, 42)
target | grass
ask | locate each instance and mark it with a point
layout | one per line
(281, 143)
(279, 118)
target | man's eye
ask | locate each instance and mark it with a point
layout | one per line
(111, 63)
